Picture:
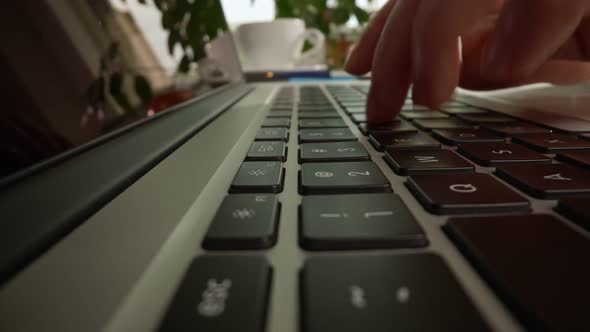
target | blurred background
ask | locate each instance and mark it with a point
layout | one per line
(74, 70)
(337, 19)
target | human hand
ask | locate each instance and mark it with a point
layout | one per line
(503, 43)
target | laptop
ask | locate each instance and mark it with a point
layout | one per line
(273, 206)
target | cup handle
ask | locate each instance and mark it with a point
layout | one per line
(317, 39)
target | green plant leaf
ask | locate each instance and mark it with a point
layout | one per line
(347, 4)
(168, 19)
(361, 15)
(173, 39)
(159, 4)
(116, 83)
(284, 8)
(143, 89)
(184, 64)
(116, 91)
(341, 15)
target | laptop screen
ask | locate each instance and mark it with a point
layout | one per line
(75, 70)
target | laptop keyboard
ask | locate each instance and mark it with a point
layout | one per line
(535, 262)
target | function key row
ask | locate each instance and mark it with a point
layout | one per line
(283, 101)
(263, 171)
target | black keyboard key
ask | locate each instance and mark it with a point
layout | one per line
(259, 177)
(547, 180)
(352, 98)
(429, 124)
(485, 118)
(559, 121)
(353, 104)
(280, 114)
(316, 108)
(552, 143)
(276, 122)
(536, 263)
(322, 123)
(217, 296)
(313, 98)
(262, 151)
(454, 110)
(495, 154)
(459, 136)
(244, 221)
(287, 107)
(426, 162)
(326, 135)
(576, 209)
(365, 221)
(336, 151)
(342, 178)
(359, 117)
(272, 134)
(394, 127)
(465, 193)
(454, 103)
(410, 107)
(319, 115)
(384, 293)
(362, 88)
(424, 115)
(403, 141)
(580, 158)
(351, 95)
(355, 110)
(515, 128)
(282, 110)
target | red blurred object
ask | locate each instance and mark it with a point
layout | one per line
(169, 99)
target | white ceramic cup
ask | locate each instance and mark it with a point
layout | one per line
(278, 45)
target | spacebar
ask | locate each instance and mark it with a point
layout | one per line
(537, 264)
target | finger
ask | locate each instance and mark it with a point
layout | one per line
(583, 37)
(436, 54)
(528, 34)
(361, 57)
(560, 72)
(392, 66)
(570, 50)
(473, 45)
